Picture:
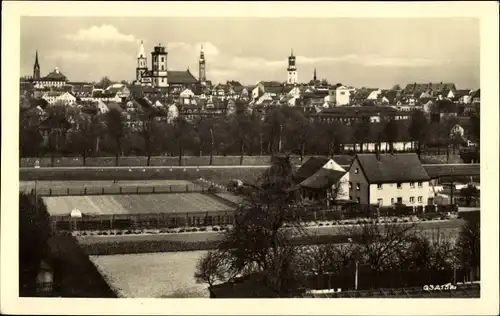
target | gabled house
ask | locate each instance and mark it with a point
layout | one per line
(388, 179)
(326, 180)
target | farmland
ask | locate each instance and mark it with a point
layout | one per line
(134, 204)
(152, 275)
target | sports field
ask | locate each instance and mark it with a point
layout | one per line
(134, 204)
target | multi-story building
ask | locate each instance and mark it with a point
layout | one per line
(388, 179)
(161, 77)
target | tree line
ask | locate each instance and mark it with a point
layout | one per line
(261, 245)
(67, 131)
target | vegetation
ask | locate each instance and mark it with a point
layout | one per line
(34, 233)
(61, 131)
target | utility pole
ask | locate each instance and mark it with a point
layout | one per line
(356, 277)
(281, 130)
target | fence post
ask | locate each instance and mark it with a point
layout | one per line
(120, 190)
(137, 190)
(170, 188)
(50, 191)
(187, 188)
(67, 191)
(102, 190)
(85, 190)
(154, 189)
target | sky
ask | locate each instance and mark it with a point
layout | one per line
(360, 52)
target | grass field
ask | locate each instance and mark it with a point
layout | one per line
(153, 275)
(194, 160)
(134, 204)
(97, 174)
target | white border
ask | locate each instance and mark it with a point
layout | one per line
(486, 11)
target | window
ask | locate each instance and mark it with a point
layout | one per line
(420, 199)
(379, 186)
(412, 199)
(342, 93)
(350, 185)
(356, 171)
(412, 184)
(400, 186)
(380, 202)
(162, 59)
(358, 186)
(400, 200)
(162, 67)
(420, 184)
(350, 197)
(359, 200)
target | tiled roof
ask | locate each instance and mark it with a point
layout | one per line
(322, 179)
(311, 166)
(391, 168)
(181, 77)
(55, 76)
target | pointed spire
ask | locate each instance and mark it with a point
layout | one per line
(291, 52)
(314, 78)
(36, 58)
(141, 50)
(202, 55)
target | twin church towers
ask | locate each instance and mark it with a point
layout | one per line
(158, 75)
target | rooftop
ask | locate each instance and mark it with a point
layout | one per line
(391, 168)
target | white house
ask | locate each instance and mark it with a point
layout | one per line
(321, 177)
(172, 113)
(342, 96)
(53, 97)
(387, 179)
(374, 95)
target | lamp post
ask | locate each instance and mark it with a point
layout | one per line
(356, 271)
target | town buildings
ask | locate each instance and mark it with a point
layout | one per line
(389, 179)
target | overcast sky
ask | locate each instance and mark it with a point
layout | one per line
(370, 52)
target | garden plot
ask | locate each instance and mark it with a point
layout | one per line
(134, 204)
(153, 275)
(88, 205)
(171, 203)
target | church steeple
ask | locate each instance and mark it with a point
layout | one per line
(201, 68)
(314, 76)
(142, 63)
(292, 69)
(36, 67)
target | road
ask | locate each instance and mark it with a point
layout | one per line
(448, 228)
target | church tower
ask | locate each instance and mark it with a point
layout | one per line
(159, 66)
(314, 76)
(36, 68)
(292, 69)
(142, 63)
(201, 68)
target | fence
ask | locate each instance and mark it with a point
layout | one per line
(113, 190)
(372, 279)
(142, 221)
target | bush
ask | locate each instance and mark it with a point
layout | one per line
(128, 232)
(119, 232)
(395, 220)
(406, 221)
(182, 230)
(327, 224)
(105, 233)
(215, 229)
(84, 234)
(194, 230)
(203, 229)
(320, 224)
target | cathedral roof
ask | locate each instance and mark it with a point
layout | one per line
(55, 75)
(180, 77)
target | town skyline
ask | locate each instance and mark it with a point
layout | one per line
(435, 50)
